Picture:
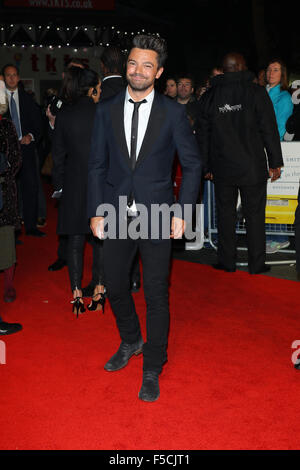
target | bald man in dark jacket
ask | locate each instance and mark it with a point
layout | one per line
(241, 147)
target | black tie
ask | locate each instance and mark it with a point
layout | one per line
(133, 142)
(134, 131)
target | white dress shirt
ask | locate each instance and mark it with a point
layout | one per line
(111, 76)
(144, 114)
(16, 98)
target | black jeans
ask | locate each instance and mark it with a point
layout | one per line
(118, 258)
(62, 253)
(75, 259)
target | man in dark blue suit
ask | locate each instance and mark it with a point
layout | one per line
(136, 134)
(27, 119)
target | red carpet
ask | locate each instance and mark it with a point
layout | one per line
(229, 382)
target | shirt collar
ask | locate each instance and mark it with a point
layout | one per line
(274, 90)
(111, 76)
(9, 92)
(149, 97)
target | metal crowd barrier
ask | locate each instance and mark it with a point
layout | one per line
(280, 208)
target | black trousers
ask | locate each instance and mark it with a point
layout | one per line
(62, 253)
(97, 267)
(253, 199)
(118, 258)
(75, 259)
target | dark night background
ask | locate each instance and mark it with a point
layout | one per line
(198, 32)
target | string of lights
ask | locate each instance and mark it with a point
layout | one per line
(77, 37)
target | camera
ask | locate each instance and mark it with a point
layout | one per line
(55, 104)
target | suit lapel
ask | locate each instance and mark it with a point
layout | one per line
(156, 119)
(117, 117)
(21, 107)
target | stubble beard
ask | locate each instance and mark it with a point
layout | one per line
(143, 86)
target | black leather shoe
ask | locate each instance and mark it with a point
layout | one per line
(36, 233)
(135, 286)
(88, 291)
(221, 267)
(265, 269)
(122, 356)
(57, 265)
(9, 328)
(150, 386)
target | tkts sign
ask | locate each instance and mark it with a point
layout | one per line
(67, 4)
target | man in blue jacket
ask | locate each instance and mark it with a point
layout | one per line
(136, 135)
(27, 119)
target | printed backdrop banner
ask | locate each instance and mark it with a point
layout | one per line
(67, 4)
(282, 194)
(288, 184)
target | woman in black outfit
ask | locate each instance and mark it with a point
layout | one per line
(70, 151)
(10, 163)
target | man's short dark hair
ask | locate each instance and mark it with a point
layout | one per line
(113, 59)
(154, 43)
(10, 65)
(186, 76)
(234, 62)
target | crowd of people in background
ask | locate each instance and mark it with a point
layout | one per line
(285, 98)
(62, 127)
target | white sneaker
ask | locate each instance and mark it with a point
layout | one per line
(273, 247)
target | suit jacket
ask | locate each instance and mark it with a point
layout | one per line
(31, 120)
(237, 124)
(70, 151)
(111, 86)
(109, 171)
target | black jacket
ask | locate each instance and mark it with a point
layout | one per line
(31, 120)
(293, 123)
(70, 153)
(110, 175)
(10, 146)
(237, 124)
(111, 86)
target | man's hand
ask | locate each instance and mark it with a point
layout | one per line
(274, 173)
(50, 116)
(97, 227)
(208, 176)
(177, 228)
(26, 139)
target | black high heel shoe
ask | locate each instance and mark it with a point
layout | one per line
(97, 304)
(78, 307)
